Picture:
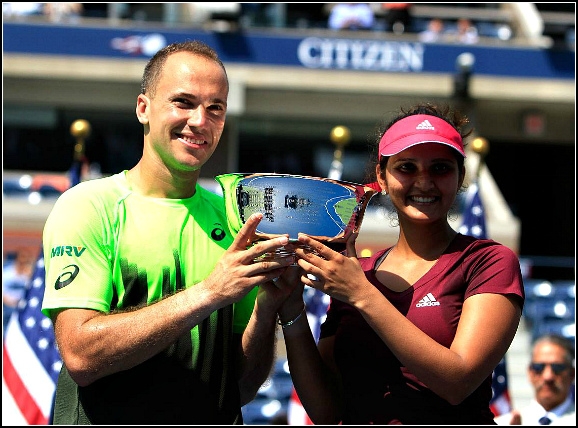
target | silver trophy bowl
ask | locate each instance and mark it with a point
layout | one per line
(322, 208)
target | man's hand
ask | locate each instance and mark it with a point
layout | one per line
(237, 272)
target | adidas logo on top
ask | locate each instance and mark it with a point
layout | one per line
(425, 125)
(428, 300)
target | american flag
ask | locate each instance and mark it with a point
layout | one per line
(473, 217)
(474, 224)
(316, 303)
(31, 361)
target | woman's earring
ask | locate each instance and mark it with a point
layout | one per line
(384, 192)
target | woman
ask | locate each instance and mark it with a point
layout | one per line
(413, 332)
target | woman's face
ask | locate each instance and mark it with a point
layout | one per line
(423, 182)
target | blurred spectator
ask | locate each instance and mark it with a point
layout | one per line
(551, 373)
(571, 38)
(397, 17)
(433, 32)
(101, 10)
(15, 276)
(58, 12)
(10, 9)
(250, 13)
(351, 16)
(465, 32)
(196, 13)
(221, 16)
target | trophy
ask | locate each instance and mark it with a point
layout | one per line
(322, 208)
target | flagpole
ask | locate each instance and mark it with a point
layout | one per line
(80, 130)
(340, 136)
(32, 362)
(481, 146)
(474, 224)
(316, 302)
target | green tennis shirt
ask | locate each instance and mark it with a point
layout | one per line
(107, 248)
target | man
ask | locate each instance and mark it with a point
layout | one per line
(154, 301)
(551, 373)
(15, 276)
(351, 16)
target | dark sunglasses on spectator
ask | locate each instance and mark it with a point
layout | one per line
(557, 368)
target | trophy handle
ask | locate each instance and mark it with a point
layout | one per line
(228, 184)
(364, 195)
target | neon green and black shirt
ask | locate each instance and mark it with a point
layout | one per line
(107, 248)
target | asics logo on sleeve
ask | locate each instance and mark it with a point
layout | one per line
(66, 277)
(218, 234)
(428, 300)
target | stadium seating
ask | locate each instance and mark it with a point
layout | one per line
(272, 398)
(550, 307)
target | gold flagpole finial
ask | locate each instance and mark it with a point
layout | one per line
(340, 136)
(80, 129)
(481, 146)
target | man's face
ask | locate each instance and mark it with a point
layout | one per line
(185, 117)
(551, 382)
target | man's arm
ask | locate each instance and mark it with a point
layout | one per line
(93, 344)
(257, 353)
(258, 344)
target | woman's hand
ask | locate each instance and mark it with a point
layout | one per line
(336, 274)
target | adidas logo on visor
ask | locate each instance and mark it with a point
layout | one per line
(425, 125)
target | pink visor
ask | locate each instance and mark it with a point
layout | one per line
(419, 129)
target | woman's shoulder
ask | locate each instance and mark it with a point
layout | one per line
(471, 243)
(483, 252)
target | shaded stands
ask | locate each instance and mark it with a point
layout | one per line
(559, 23)
(550, 307)
(501, 21)
(270, 405)
(489, 18)
(536, 23)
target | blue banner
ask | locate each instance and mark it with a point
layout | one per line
(376, 54)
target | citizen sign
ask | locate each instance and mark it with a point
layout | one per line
(351, 54)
